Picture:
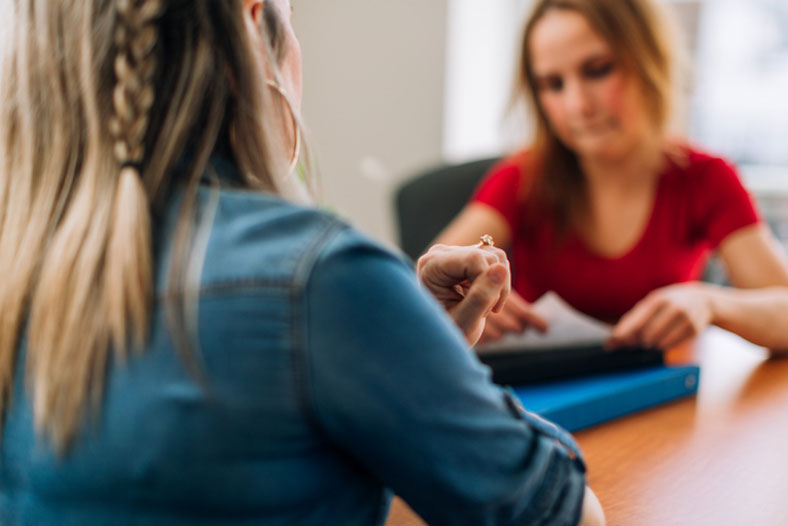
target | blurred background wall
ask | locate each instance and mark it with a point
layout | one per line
(393, 87)
(374, 76)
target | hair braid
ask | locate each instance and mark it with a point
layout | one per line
(135, 66)
(133, 87)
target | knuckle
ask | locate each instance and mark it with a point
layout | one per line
(672, 313)
(477, 261)
(490, 259)
(427, 256)
(655, 295)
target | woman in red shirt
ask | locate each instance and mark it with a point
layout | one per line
(608, 212)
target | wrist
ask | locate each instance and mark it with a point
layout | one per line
(714, 298)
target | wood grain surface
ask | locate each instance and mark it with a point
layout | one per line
(719, 459)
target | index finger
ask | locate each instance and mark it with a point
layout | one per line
(632, 323)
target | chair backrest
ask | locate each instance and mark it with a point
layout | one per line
(428, 202)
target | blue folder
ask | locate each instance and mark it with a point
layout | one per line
(579, 403)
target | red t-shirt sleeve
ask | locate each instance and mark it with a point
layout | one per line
(723, 205)
(500, 189)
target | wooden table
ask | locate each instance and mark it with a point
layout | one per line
(718, 459)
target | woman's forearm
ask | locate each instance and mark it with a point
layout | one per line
(757, 315)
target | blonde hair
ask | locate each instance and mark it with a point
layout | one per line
(641, 37)
(91, 130)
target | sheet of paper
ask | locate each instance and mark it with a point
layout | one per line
(566, 327)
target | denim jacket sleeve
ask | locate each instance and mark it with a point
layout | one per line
(391, 381)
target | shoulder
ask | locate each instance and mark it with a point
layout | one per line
(511, 167)
(715, 195)
(698, 166)
(262, 237)
(700, 176)
(245, 237)
(507, 178)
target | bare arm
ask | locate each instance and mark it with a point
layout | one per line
(754, 258)
(475, 220)
(757, 309)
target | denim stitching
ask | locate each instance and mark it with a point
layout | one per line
(299, 344)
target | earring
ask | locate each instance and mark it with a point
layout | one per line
(297, 140)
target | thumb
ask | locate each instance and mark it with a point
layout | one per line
(483, 294)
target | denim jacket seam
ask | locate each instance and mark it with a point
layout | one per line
(300, 344)
(221, 287)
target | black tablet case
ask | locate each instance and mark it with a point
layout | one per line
(544, 365)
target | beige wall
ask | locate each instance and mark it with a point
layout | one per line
(373, 98)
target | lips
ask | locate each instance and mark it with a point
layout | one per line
(594, 127)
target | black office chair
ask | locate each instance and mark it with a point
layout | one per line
(427, 203)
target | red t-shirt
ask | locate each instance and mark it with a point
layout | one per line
(695, 208)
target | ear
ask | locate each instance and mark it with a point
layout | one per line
(253, 11)
(253, 20)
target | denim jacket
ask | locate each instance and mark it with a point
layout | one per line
(331, 381)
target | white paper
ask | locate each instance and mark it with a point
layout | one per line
(566, 327)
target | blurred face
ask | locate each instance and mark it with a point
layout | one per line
(592, 105)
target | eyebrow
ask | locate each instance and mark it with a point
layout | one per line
(602, 56)
(599, 56)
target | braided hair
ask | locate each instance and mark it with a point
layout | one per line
(135, 66)
(120, 133)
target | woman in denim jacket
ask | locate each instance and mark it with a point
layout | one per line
(181, 345)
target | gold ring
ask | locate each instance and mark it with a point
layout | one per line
(486, 241)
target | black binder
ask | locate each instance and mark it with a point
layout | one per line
(558, 363)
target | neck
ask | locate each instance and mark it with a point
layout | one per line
(640, 166)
